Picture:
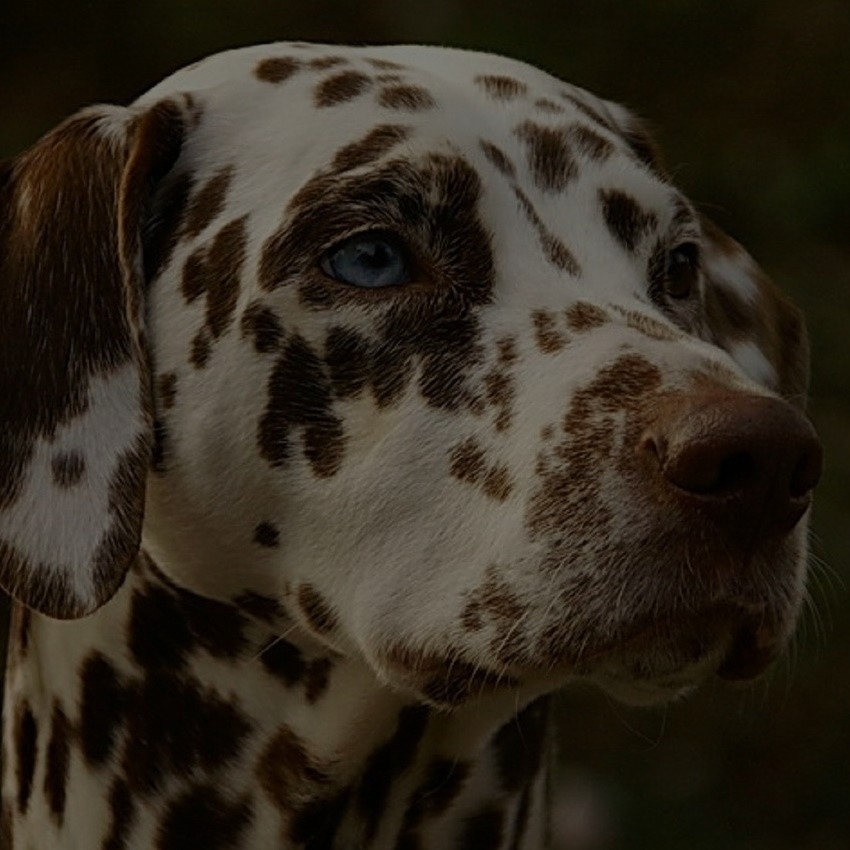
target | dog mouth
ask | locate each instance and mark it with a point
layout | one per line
(735, 643)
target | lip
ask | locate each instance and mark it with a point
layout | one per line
(735, 641)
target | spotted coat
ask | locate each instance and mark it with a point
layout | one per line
(297, 561)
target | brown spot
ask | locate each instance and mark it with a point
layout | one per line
(162, 234)
(287, 772)
(549, 339)
(648, 326)
(590, 143)
(299, 395)
(347, 356)
(167, 389)
(468, 463)
(316, 679)
(499, 159)
(406, 97)
(103, 700)
(25, 736)
(385, 65)
(341, 88)
(375, 144)
(68, 469)
(494, 602)
(261, 324)
(500, 392)
(216, 270)
(628, 222)
(547, 432)
(586, 109)
(58, 763)
(284, 661)
(501, 87)
(201, 349)
(507, 350)
(319, 614)
(567, 501)
(556, 252)
(122, 810)
(267, 535)
(548, 106)
(583, 316)
(178, 728)
(207, 203)
(276, 69)
(550, 157)
(497, 483)
(167, 624)
(322, 63)
(203, 817)
(386, 765)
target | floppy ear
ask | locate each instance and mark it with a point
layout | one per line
(75, 401)
(749, 317)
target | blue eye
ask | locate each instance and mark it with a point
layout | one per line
(370, 260)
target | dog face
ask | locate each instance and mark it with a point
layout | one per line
(440, 360)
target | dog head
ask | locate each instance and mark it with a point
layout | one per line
(423, 344)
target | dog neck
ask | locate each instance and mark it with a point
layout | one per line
(170, 720)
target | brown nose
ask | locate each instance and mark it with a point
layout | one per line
(748, 461)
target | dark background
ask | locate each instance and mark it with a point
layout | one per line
(751, 101)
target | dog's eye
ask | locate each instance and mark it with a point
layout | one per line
(370, 260)
(682, 272)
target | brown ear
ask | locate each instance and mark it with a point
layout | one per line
(75, 402)
(751, 319)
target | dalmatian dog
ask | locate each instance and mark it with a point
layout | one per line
(353, 400)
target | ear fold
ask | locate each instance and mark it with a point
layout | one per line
(75, 401)
(750, 318)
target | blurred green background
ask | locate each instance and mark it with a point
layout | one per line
(751, 102)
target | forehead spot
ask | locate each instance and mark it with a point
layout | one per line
(556, 252)
(589, 143)
(215, 270)
(406, 97)
(385, 65)
(501, 87)
(322, 63)
(375, 144)
(499, 159)
(341, 88)
(276, 69)
(544, 104)
(207, 203)
(583, 316)
(628, 222)
(585, 108)
(550, 158)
